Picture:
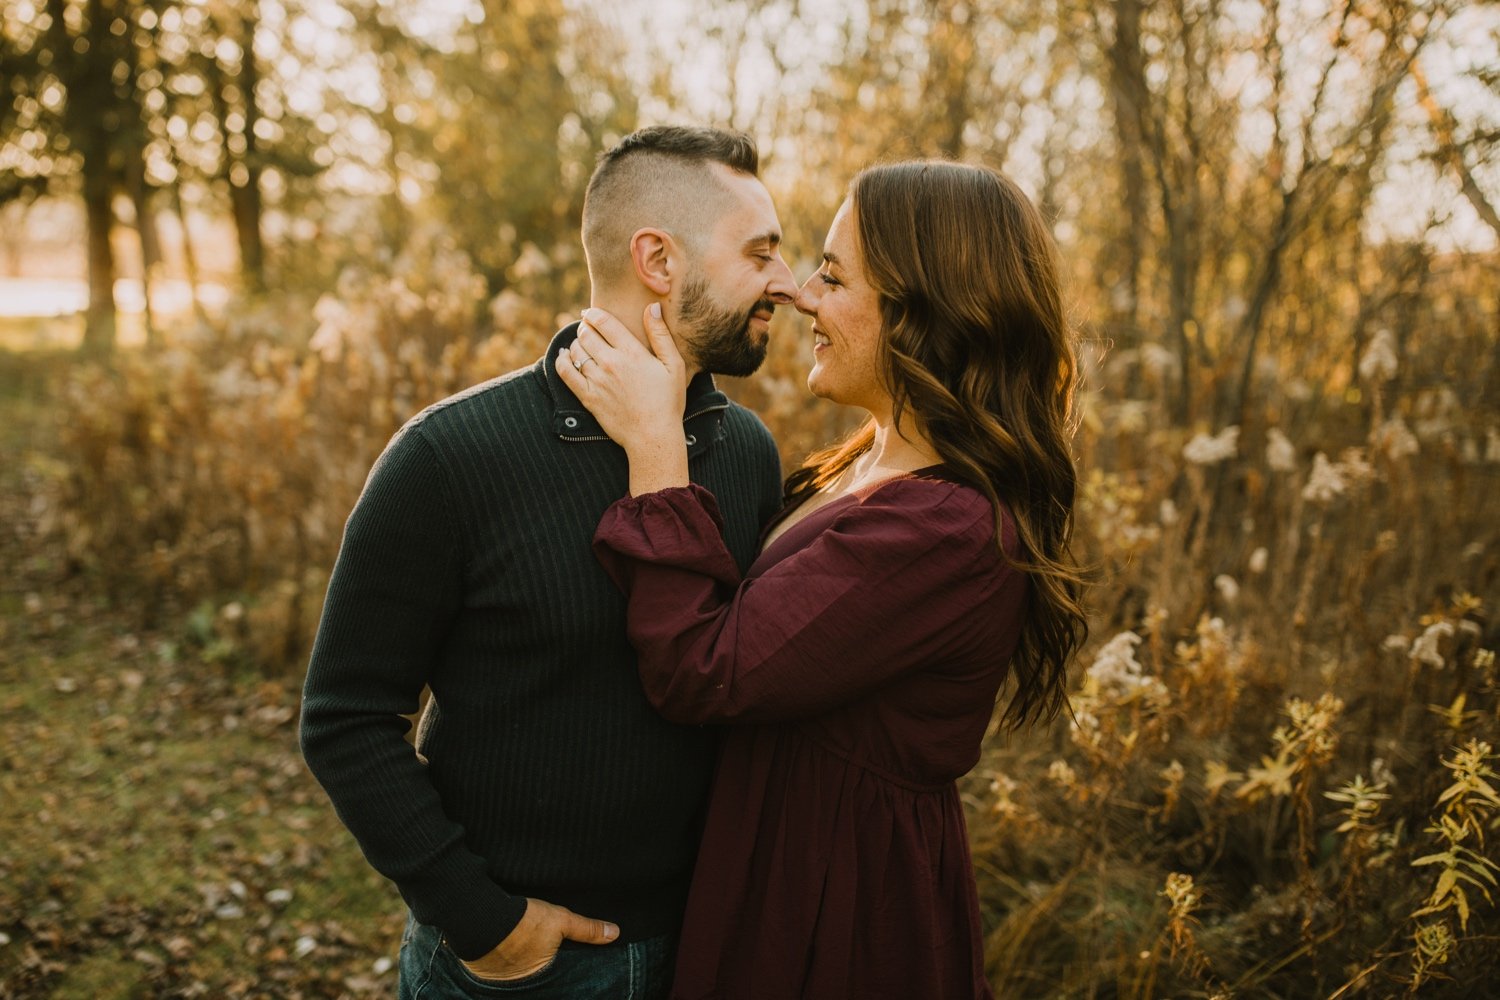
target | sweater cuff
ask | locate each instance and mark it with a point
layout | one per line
(459, 898)
(473, 918)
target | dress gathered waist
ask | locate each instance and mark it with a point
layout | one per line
(874, 770)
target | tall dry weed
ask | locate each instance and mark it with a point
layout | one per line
(209, 482)
(1275, 777)
(1294, 615)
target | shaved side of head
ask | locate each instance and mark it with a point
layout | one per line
(662, 177)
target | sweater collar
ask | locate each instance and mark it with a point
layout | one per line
(702, 422)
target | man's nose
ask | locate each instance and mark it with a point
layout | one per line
(783, 287)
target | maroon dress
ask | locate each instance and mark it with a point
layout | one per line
(860, 658)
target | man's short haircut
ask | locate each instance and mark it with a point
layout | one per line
(659, 177)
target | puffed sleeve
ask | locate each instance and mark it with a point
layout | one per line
(892, 585)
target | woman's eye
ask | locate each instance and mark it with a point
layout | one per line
(828, 279)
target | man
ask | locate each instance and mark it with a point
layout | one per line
(544, 830)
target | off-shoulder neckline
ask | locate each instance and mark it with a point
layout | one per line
(927, 472)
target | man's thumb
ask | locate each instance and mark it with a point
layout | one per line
(577, 928)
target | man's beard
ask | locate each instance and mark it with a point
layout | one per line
(720, 340)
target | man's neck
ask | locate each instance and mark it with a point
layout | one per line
(630, 311)
(627, 311)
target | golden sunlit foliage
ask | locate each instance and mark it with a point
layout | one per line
(1278, 777)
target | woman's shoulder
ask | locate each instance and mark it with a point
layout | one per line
(935, 487)
(936, 503)
(930, 499)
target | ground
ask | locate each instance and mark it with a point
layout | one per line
(160, 835)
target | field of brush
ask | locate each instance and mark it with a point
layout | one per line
(1277, 778)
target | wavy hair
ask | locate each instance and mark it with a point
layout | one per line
(976, 345)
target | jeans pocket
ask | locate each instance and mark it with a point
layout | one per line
(477, 985)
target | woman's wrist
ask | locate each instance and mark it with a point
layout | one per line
(657, 463)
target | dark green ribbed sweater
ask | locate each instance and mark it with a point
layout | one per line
(467, 567)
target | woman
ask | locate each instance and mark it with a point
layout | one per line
(916, 567)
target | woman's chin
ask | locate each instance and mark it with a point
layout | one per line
(818, 386)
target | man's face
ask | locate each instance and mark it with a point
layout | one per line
(733, 288)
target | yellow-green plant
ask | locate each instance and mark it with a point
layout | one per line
(1301, 750)
(1468, 806)
(1365, 843)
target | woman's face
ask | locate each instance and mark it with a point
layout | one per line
(846, 321)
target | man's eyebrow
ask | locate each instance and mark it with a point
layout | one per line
(772, 237)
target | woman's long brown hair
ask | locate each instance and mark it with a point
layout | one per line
(976, 344)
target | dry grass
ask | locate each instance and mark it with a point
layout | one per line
(1278, 776)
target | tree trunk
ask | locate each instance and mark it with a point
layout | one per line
(950, 53)
(241, 173)
(1176, 190)
(1266, 284)
(100, 319)
(150, 239)
(244, 198)
(1179, 247)
(137, 137)
(247, 203)
(13, 236)
(189, 255)
(94, 121)
(1125, 54)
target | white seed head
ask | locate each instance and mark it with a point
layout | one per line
(1227, 587)
(1394, 439)
(1281, 454)
(1378, 363)
(1258, 560)
(1211, 449)
(1324, 482)
(1425, 648)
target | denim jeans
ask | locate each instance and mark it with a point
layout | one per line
(641, 970)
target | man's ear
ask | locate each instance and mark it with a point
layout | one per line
(654, 257)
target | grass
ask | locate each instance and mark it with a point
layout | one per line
(153, 810)
(156, 808)
(49, 334)
(1259, 650)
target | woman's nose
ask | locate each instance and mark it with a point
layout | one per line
(807, 297)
